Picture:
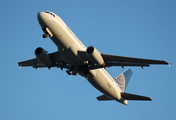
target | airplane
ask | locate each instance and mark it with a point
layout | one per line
(87, 62)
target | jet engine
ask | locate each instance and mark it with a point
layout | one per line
(43, 57)
(95, 56)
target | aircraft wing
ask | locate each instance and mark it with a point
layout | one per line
(35, 63)
(112, 60)
(32, 62)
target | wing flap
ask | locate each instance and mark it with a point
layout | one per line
(126, 64)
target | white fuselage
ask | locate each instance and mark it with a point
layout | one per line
(69, 45)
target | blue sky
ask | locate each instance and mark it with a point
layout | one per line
(144, 29)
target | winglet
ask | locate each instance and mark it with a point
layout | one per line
(167, 63)
(19, 65)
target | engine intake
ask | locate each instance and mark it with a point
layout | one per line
(43, 57)
(95, 56)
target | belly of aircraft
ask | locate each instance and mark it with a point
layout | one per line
(69, 52)
(96, 79)
(67, 48)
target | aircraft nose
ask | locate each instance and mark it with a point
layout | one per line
(42, 18)
(38, 15)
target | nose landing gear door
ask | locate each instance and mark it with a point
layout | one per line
(47, 33)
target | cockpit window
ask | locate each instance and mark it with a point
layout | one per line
(47, 12)
(50, 13)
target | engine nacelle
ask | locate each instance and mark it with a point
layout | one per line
(43, 57)
(95, 56)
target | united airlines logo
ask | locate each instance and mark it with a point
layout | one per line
(120, 80)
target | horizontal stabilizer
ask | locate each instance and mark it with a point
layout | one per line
(103, 97)
(128, 96)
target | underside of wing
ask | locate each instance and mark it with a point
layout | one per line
(112, 60)
(57, 61)
(32, 62)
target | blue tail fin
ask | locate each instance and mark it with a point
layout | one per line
(123, 79)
